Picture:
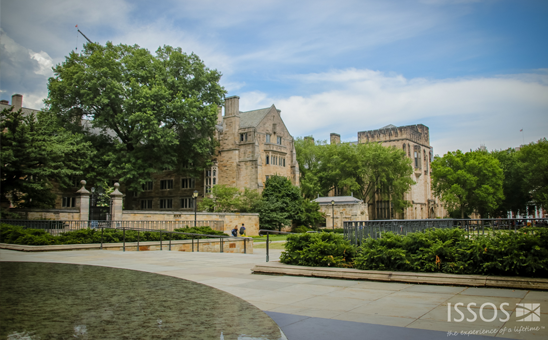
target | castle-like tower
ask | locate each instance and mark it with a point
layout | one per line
(254, 145)
(414, 140)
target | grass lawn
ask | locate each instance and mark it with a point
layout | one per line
(271, 246)
(259, 239)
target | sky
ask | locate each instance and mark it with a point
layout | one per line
(474, 71)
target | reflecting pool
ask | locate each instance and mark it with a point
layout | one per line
(66, 301)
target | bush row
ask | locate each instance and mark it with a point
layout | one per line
(19, 235)
(524, 253)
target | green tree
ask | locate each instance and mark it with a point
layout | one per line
(310, 215)
(309, 160)
(467, 182)
(143, 112)
(225, 199)
(282, 202)
(35, 153)
(230, 199)
(369, 170)
(516, 194)
(534, 160)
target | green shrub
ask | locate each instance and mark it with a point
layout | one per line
(19, 235)
(318, 250)
(452, 251)
(336, 230)
(301, 229)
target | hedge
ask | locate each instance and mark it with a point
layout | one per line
(524, 253)
(19, 235)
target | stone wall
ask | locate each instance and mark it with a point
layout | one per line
(48, 214)
(230, 220)
(344, 212)
(231, 245)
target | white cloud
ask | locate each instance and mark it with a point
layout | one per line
(45, 63)
(462, 113)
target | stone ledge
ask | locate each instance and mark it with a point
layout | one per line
(406, 277)
(119, 246)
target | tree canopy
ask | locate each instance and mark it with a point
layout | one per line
(534, 160)
(35, 153)
(282, 201)
(467, 182)
(143, 112)
(368, 170)
(231, 199)
(516, 192)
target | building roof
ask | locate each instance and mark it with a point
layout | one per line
(389, 126)
(253, 118)
(25, 110)
(338, 200)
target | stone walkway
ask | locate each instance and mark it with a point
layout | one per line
(317, 308)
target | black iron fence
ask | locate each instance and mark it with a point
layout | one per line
(57, 227)
(356, 231)
(164, 228)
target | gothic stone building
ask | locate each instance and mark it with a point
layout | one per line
(254, 145)
(414, 140)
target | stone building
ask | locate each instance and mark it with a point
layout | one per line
(254, 145)
(342, 208)
(414, 140)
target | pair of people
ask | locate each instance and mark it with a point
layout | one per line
(235, 231)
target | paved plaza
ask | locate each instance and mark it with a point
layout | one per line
(315, 308)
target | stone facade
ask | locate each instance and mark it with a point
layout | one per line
(414, 140)
(253, 146)
(344, 208)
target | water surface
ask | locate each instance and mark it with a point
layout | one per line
(66, 301)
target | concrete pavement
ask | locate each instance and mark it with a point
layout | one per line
(307, 307)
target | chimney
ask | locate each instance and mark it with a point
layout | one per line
(309, 138)
(334, 138)
(17, 101)
(232, 106)
(219, 115)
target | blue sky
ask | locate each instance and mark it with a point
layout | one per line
(474, 72)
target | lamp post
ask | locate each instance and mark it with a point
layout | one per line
(194, 197)
(333, 213)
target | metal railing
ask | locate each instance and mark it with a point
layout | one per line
(356, 231)
(57, 227)
(165, 235)
(268, 232)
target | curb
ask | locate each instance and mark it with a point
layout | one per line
(405, 277)
(97, 246)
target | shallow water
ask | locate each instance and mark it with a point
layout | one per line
(62, 301)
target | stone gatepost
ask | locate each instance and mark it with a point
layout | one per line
(82, 201)
(116, 199)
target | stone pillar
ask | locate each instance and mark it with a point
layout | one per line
(17, 102)
(116, 204)
(82, 201)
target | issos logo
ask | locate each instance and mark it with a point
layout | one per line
(474, 315)
(524, 312)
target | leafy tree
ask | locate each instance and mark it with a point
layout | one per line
(309, 160)
(229, 199)
(143, 112)
(468, 182)
(249, 201)
(369, 170)
(225, 199)
(534, 159)
(36, 152)
(516, 194)
(282, 202)
(309, 215)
